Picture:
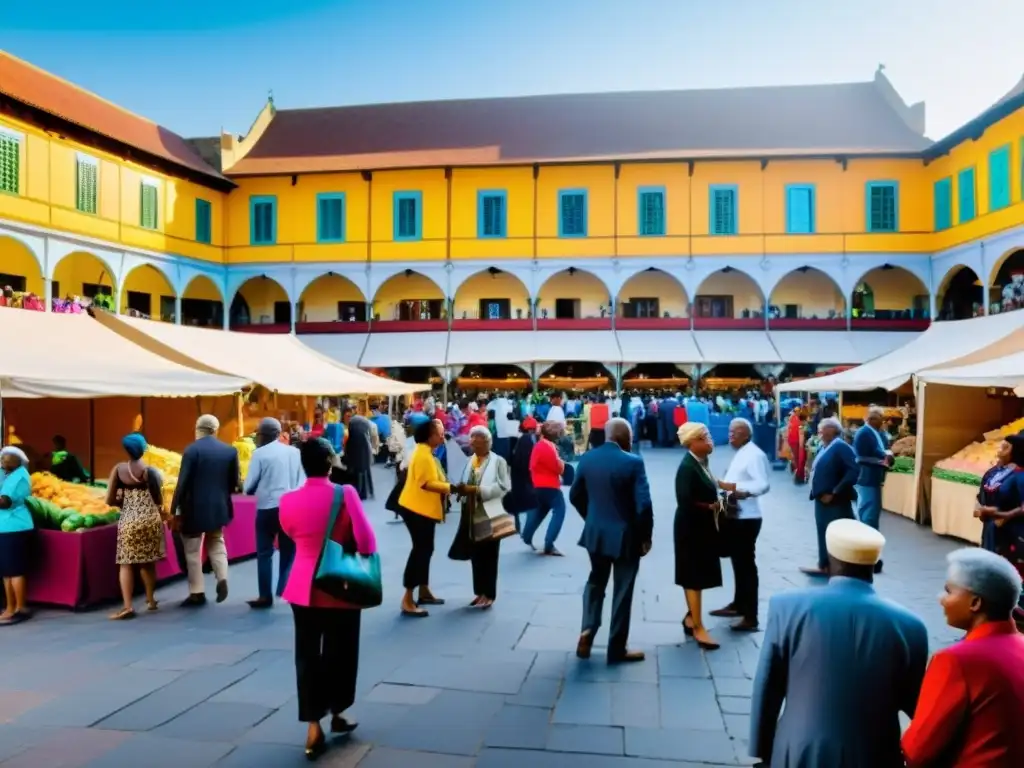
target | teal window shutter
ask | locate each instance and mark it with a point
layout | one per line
(263, 220)
(883, 206)
(492, 213)
(408, 216)
(330, 217)
(966, 196)
(942, 193)
(723, 210)
(999, 178)
(87, 172)
(204, 221)
(651, 214)
(799, 209)
(10, 161)
(572, 213)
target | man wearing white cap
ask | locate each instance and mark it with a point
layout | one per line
(839, 663)
(202, 505)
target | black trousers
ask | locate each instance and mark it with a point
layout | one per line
(326, 660)
(601, 567)
(485, 568)
(742, 544)
(417, 567)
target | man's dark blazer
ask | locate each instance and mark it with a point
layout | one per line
(612, 495)
(208, 477)
(835, 473)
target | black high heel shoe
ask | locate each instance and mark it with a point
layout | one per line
(317, 748)
(687, 629)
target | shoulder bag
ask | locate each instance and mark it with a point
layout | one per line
(342, 572)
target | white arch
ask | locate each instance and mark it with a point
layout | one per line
(864, 274)
(997, 264)
(260, 276)
(380, 275)
(34, 245)
(305, 279)
(943, 283)
(218, 284)
(724, 268)
(457, 283)
(60, 250)
(544, 279)
(283, 276)
(627, 276)
(776, 283)
(139, 263)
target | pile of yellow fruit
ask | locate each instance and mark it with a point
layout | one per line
(168, 463)
(978, 458)
(83, 499)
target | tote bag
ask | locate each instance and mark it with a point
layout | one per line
(343, 573)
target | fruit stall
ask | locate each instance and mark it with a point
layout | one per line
(899, 494)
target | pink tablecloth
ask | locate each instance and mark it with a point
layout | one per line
(77, 570)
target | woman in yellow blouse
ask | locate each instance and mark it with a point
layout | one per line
(423, 501)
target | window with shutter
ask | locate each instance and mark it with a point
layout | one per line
(999, 178)
(263, 220)
(86, 181)
(330, 225)
(491, 214)
(799, 209)
(408, 224)
(723, 210)
(10, 161)
(204, 221)
(148, 202)
(652, 211)
(882, 207)
(942, 194)
(966, 195)
(572, 218)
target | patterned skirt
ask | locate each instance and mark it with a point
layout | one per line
(140, 530)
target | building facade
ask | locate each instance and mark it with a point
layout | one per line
(677, 227)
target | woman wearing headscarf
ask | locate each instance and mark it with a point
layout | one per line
(1000, 505)
(16, 529)
(358, 457)
(137, 490)
(695, 529)
(484, 478)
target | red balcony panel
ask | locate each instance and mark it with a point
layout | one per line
(879, 324)
(652, 323)
(807, 324)
(335, 326)
(263, 328)
(582, 324)
(493, 325)
(728, 323)
(407, 326)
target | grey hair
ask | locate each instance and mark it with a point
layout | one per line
(481, 430)
(738, 421)
(831, 421)
(875, 410)
(613, 426)
(207, 424)
(985, 574)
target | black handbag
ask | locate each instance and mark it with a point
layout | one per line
(392, 505)
(568, 474)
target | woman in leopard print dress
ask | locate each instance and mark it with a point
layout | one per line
(136, 489)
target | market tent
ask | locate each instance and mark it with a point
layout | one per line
(658, 347)
(49, 354)
(279, 362)
(872, 344)
(723, 347)
(815, 347)
(341, 347)
(945, 344)
(483, 348)
(427, 349)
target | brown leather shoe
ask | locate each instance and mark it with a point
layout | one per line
(745, 625)
(727, 612)
(628, 656)
(584, 644)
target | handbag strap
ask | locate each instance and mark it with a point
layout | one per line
(337, 504)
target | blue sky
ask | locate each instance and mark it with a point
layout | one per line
(201, 66)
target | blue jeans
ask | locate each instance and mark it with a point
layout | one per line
(268, 527)
(548, 500)
(869, 504)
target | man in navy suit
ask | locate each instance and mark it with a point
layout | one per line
(839, 663)
(612, 496)
(833, 475)
(872, 448)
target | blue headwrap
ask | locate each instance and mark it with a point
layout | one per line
(134, 445)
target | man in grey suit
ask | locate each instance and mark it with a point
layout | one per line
(843, 660)
(202, 507)
(611, 494)
(833, 475)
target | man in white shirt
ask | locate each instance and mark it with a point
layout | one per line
(275, 469)
(506, 426)
(556, 413)
(746, 479)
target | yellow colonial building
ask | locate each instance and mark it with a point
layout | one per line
(800, 225)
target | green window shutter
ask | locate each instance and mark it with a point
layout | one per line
(10, 162)
(652, 212)
(494, 216)
(87, 171)
(330, 218)
(723, 211)
(882, 207)
(943, 201)
(148, 205)
(999, 178)
(573, 214)
(262, 220)
(204, 221)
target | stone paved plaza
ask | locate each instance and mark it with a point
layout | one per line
(498, 689)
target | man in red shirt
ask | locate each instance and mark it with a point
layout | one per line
(971, 706)
(546, 470)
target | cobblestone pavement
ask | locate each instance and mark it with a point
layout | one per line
(498, 689)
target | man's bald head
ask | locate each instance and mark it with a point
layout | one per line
(619, 431)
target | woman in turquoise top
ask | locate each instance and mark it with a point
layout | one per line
(16, 531)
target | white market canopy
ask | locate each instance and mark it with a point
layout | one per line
(1005, 372)
(279, 362)
(48, 354)
(947, 344)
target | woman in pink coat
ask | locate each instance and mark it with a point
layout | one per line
(326, 629)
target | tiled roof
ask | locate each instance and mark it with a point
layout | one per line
(25, 83)
(814, 119)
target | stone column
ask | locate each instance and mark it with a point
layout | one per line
(177, 310)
